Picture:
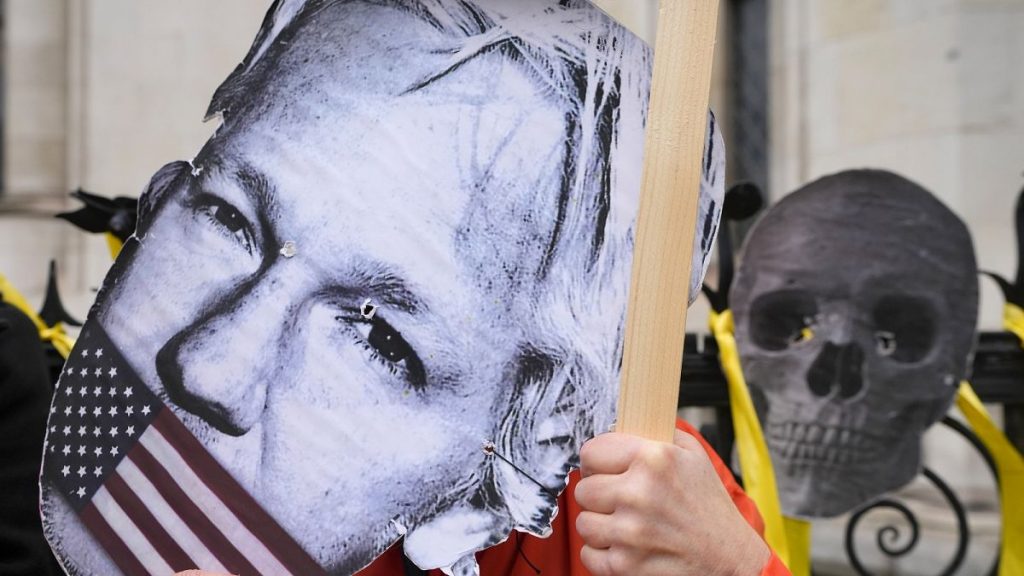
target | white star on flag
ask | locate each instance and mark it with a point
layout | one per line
(134, 449)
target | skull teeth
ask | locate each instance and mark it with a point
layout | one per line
(811, 443)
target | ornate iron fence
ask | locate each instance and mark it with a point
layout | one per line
(997, 377)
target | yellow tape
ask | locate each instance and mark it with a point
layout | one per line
(53, 334)
(755, 463)
(1013, 320)
(1010, 467)
(114, 244)
(798, 536)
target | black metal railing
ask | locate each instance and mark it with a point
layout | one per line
(997, 377)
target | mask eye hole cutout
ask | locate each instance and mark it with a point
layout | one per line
(779, 320)
(885, 343)
(386, 346)
(905, 327)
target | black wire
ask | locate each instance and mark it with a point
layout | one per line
(412, 569)
(489, 448)
(519, 550)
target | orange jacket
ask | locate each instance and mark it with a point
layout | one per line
(559, 554)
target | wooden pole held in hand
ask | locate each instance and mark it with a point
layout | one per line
(656, 316)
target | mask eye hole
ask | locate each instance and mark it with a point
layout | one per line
(386, 347)
(388, 342)
(885, 343)
(904, 327)
(782, 319)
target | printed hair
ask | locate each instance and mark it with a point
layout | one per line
(600, 75)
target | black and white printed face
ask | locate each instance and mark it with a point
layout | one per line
(335, 422)
(361, 168)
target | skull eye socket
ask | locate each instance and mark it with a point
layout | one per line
(781, 319)
(904, 328)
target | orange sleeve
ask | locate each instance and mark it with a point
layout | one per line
(775, 567)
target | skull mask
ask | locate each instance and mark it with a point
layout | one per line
(855, 308)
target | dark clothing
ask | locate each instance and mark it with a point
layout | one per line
(25, 393)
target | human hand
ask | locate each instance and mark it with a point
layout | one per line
(652, 509)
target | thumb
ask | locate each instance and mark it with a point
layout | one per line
(687, 441)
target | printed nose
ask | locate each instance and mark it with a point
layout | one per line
(837, 367)
(219, 368)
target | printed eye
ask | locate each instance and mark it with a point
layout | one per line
(224, 216)
(387, 346)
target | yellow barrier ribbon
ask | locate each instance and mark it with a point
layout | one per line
(798, 537)
(1013, 320)
(755, 463)
(53, 334)
(1010, 467)
(114, 245)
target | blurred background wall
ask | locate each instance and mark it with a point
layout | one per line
(101, 93)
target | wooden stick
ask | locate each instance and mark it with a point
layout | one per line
(656, 317)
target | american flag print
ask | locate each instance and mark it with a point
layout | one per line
(144, 486)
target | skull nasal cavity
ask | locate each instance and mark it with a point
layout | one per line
(837, 367)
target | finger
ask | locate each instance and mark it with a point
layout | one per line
(609, 453)
(595, 529)
(605, 561)
(687, 441)
(599, 493)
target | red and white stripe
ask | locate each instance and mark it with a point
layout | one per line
(169, 506)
